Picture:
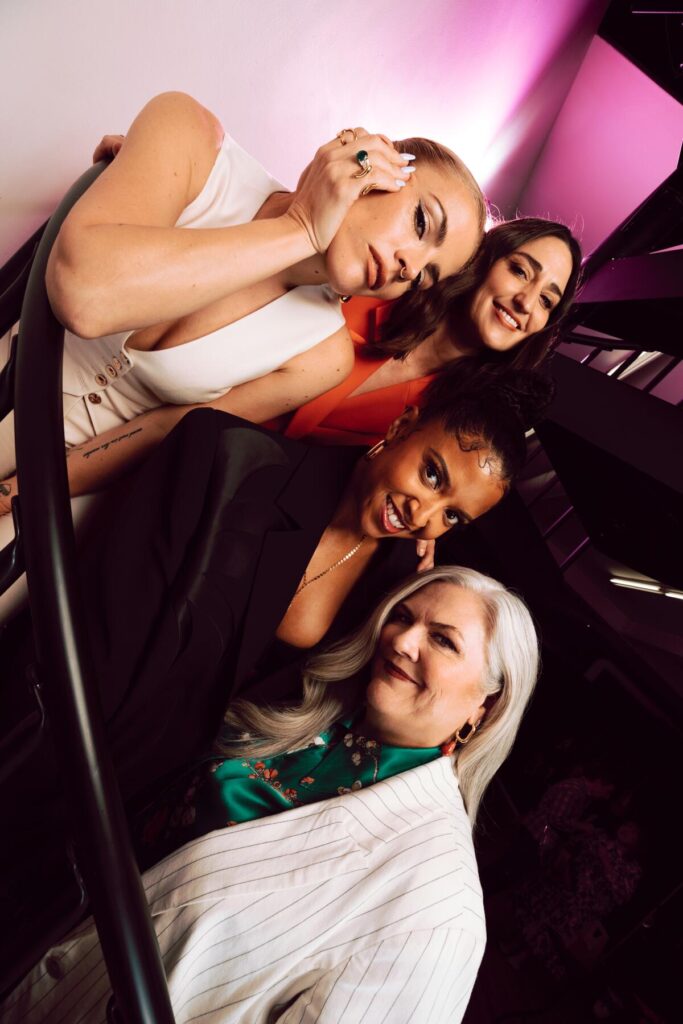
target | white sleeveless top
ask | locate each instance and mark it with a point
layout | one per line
(106, 384)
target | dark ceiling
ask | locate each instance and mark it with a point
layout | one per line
(650, 34)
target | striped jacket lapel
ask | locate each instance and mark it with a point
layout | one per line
(307, 844)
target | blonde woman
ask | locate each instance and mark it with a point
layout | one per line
(187, 270)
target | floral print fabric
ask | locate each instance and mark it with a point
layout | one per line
(224, 792)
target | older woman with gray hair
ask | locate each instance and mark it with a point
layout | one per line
(362, 902)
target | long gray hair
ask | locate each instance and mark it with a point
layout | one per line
(334, 684)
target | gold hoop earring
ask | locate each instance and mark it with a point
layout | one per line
(462, 740)
(448, 748)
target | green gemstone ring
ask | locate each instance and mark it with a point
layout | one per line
(363, 162)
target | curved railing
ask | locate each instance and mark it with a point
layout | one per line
(100, 830)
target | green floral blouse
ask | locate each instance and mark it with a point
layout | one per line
(223, 792)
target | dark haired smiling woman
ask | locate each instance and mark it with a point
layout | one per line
(523, 279)
(505, 308)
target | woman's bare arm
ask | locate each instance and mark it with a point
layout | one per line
(96, 464)
(298, 381)
(120, 264)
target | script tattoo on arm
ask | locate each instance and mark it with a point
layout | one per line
(106, 444)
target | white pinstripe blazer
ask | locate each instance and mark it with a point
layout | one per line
(362, 909)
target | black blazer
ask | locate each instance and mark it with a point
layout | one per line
(191, 573)
(186, 578)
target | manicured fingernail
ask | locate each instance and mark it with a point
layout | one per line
(407, 156)
(407, 170)
(401, 184)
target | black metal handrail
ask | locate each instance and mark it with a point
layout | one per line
(100, 830)
(14, 277)
(11, 560)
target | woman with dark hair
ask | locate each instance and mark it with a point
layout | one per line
(458, 307)
(328, 872)
(504, 308)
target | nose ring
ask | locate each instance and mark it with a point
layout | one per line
(402, 274)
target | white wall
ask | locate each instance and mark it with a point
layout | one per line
(284, 75)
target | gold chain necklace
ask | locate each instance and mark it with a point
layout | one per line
(335, 565)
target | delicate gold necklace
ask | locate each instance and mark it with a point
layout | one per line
(305, 582)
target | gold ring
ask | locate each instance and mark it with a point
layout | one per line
(347, 131)
(370, 187)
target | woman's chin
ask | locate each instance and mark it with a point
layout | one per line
(346, 282)
(494, 342)
(356, 289)
(342, 280)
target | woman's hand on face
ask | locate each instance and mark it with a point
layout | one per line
(108, 147)
(8, 488)
(327, 188)
(425, 552)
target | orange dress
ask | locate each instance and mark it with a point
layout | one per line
(339, 416)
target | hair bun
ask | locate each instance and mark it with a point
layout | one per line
(527, 393)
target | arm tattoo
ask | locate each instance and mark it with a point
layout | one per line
(107, 444)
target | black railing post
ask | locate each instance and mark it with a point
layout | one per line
(100, 830)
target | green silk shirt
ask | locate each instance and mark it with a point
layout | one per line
(224, 792)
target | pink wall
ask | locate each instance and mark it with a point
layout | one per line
(616, 138)
(487, 77)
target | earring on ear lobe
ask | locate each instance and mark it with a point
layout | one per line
(373, 452)
(462, 740)
(344, 298)
(448, 748)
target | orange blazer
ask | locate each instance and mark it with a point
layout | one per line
(339, 416)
